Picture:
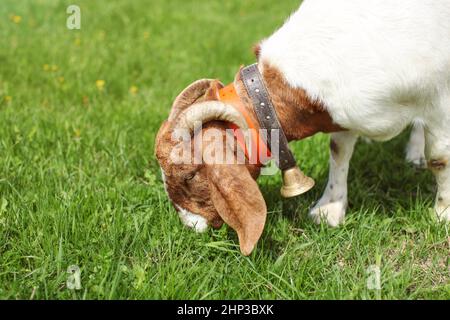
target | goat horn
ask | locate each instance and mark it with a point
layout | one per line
(189, 96)
(210, 111)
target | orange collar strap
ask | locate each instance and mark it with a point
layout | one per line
(257, 152)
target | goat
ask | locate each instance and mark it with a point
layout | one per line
(350, 68)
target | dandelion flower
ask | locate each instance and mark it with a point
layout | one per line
(100, 84)
(55, 68)
(134, 90)
(8, 99)
(46, 67)
(146, 35)
(61, 80)
(77, 133)
(16, 19)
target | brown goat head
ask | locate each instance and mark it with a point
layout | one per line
(209, 192)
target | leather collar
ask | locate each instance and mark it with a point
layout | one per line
(257, 151)
(267, 118)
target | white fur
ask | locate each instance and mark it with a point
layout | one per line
(189, 219)
(193, 221)
(333, 203)
(163, 176)
(378, 66)
(415, 150)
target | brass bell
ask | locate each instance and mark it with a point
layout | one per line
(295, 183)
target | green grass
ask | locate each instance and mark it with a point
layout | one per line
(79, 184)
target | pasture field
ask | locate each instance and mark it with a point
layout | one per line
(79, 184)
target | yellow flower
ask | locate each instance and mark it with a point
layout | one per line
(16, 19)
(77, 133)
(134, 90)
(46, 67)
(77, 41)
(146, 35)
(55, 68)
(8, 99)
(100, 84)
(61, 80)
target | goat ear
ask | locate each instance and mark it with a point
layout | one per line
(239, 202)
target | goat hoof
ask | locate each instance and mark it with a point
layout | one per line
(443, 213)
(417, 159)
(333, 213)
(420, 164)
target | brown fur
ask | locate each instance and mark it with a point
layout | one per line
(334, 147)
(257, 50)
(438, 165)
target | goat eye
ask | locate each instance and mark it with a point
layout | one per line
(190, 176)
